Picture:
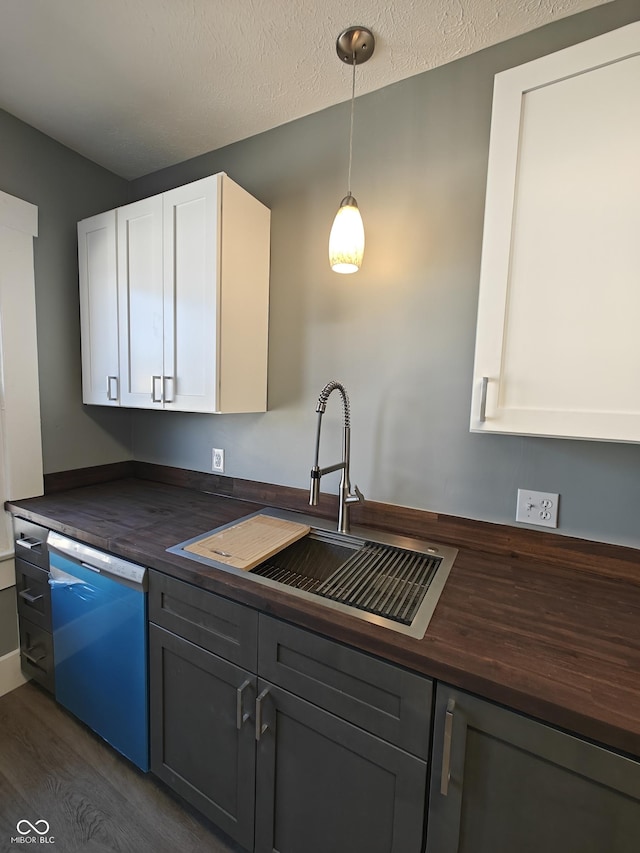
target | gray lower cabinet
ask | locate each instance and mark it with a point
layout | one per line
(315, 747)
(34, 602)
(202, 689)
(502, 782)
(202, 732)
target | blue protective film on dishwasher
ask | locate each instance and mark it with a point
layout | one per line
(100, 654)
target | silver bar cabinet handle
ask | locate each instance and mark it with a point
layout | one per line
(28, 596)
(446, 748)
(240, 717)
(27, 653)
(155, 399)
(30, 542)
(165, 379)
(110, 380)
(483, 399)
(261, 727)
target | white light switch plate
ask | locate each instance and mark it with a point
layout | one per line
(537, 508)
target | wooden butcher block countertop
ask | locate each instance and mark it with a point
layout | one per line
(554, 636)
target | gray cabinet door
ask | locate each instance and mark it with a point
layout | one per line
(325, 785)
(202, 731)
(514, 784)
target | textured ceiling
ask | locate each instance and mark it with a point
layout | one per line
(136, 85)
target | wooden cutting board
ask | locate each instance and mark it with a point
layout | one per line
(246, 544)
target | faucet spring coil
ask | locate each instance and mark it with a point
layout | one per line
(324, 396)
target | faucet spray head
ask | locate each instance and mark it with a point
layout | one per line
(314, 488)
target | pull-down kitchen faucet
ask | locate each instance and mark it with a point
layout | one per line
(345, 496)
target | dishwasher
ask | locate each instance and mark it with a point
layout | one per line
(99, 619)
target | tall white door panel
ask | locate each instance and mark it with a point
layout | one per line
(557, 348)
(99, 309)
(141, 309)
(191, 276)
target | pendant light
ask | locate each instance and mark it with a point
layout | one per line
(346, 241)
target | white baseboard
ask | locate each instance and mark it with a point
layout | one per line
(10, 674)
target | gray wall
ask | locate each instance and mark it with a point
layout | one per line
(400, 333)
(66, 188)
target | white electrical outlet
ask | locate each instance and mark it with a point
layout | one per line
(217, 460)
(537, 508)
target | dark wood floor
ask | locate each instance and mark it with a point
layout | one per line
(53, 768)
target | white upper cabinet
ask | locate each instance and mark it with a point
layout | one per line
(193, 299)
(99, 309)
(557, 347)
(140, 298)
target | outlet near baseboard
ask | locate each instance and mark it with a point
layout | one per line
(217, 460)
(537, 508)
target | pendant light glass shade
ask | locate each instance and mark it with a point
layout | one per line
(346, 241)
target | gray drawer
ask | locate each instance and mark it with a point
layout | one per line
(31, 542)
(377, 696)
(36, 654)
(34, 596)
(221, 626)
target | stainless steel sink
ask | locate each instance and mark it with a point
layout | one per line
(388, 580)
(309, 562)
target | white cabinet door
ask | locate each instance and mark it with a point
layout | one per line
(557, 348)
(140, 296)
(191, 277)
(99, 309)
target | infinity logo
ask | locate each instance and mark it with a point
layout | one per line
(32, 827)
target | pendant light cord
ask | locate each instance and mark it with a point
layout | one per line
(353, 97)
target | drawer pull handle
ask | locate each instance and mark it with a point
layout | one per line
(31, 658)
(30, 542)
(28, 597)
(240, 717)
(261, 727)
(446, 748)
